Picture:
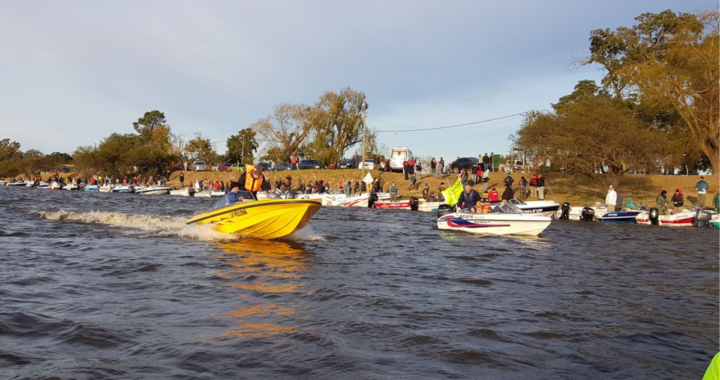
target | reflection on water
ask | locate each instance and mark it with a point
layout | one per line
(262, 271)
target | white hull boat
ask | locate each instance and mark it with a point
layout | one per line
(55, 186)
(94, 188)
(184, 192)
(105, 188)
(154, 190)
(682, 219)
(544, 208)
(124, 189)
(16, 184)
(503, 220)
(342, 200)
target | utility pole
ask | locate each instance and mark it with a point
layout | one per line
(363, 107)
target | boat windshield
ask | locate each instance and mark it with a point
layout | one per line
(245, 195)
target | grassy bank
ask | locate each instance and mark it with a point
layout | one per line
(577, 190)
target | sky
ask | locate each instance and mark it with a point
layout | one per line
(73, 72)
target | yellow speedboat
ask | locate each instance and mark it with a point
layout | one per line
(264, 219)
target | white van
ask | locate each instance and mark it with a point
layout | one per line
(397, 156)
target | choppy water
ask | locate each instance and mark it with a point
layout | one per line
(116, 286)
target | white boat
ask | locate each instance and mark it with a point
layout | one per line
(106, 188)
(94, 188)
(502, 220)
(42, 185)
(184, 192)
(56, 186)
(3, 182)
(124, 188)
(544, 208)
(575, 212)
(154, 190)
(342, 200)
(19, 183)
(71, 186)
(428, 206)
(685, 218)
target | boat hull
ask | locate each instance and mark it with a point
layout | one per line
(495, 223)
(620, 217)
(681, 219)
(265, 219)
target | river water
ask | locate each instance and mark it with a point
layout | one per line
(97, 286)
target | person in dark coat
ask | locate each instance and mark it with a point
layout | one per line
(508, 194)
(468, 198)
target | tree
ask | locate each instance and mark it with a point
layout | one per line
(146, 124)
(339, 124)
(671, 62)
(592, 132)
(286, 129)
(202, 149)
(240, 147)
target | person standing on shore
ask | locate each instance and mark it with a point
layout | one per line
(619, 203)
(485, 180)
(486, 162)
(522, 187)
(492, 164)
(685, 164)
(678, 201)
(182, 180)
(716, 202)
(433, 166)
(541, 187)
(611, 199)
(441, 167)
(701, 187)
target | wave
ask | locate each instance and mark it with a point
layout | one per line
(162, 226)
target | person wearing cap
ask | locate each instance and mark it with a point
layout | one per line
(678, 201)
(252, 180)
(493, 195)
(426, 191)
(611, 199)
(661, 203)
(701, 187)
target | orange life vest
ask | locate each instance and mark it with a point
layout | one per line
(251, 183)
(483, 207)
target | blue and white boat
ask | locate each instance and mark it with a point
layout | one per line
(620, 216)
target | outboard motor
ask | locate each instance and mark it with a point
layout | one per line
(372, 199)
(444, 209)
(414, 204)
(587, 214)
(702, 218)
(565, 213)
(654, 216)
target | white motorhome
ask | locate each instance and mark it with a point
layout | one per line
(398, 156)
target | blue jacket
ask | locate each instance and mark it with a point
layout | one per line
(702, 186)
(467, 200)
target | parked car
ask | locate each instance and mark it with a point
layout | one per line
(283, 166)
(369, 164)
(310, 164)
(463, 163)
(224, 167)
(346, 164)
(237, 167)
(178, 166)
(264, 165)
(199, 166)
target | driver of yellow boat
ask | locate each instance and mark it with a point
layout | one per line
(252, 179)
(233, 196)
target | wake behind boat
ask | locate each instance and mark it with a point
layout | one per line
(264, 219)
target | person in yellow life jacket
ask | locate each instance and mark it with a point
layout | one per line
(252, 180)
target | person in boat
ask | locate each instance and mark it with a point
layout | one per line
(611, 199)
(661, 203)
(252, 180)
(678, 201)
(508, 194)
(630, 205)
(233, 196)
(493, 195)
(468, 198)
(393, 190)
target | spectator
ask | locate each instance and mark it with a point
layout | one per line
(441, 167)
(701, 187)
(610, 199)
(678, 201)
(433, 166)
